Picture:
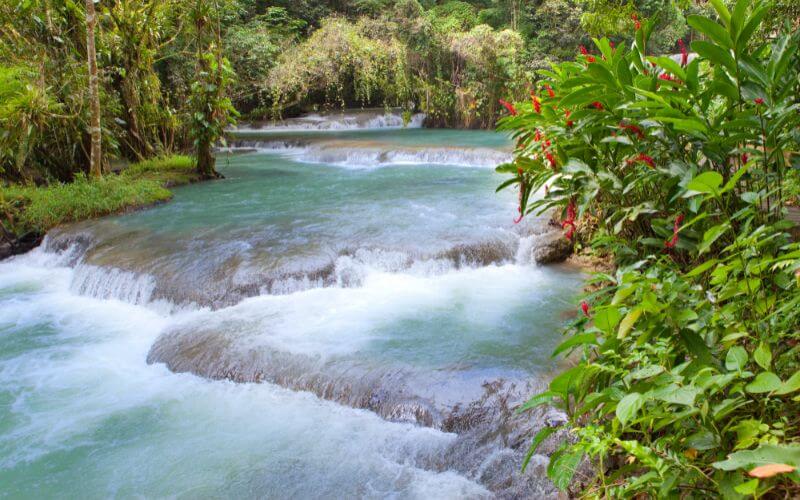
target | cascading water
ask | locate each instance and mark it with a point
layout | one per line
(305, 327)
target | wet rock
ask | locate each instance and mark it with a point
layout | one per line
(551, 248)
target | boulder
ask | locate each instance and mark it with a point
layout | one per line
(551, 248)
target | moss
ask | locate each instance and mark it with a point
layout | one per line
(36, 209)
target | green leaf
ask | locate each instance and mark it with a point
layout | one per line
(706, 183)
(763, 455)
(647, 372)
(714, 31)
(627, 323)
(736, 358)
(543, 434)
(723, 11)
(607, 318)
(715, 54)
(790, 385)
(562, 467)
(676, 394)
(629, 407)
(747, 488)
(763, 356)
(537, 400)
(705, 266)
(764, 382)
(712, 235)
(575, 340)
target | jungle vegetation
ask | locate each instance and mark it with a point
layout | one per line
(681, 170)
(138, 79)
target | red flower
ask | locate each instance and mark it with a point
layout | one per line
(684, 53)
(759, 101)
(667, 77)
(597, 105)
(585, 308)
(745, 157)
(589, 58)
(641, 157)
(551, 159)
(549, 90)
(537, 104)
(566, 115)
(636, 24)
(632, 129)
(569, 222)
(537, 136)
(675, 228)
(611, 44)
(510, 107)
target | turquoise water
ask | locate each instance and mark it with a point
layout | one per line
(376, 278)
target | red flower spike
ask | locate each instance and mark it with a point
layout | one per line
(643, 158)
(549, 91)
(585, 308)
(759, 101)
(537, 104)
(584, 51)
(510, 107)
(684, 53)
(537, 136)
(597, 105)
(590, 59)
(632, 129)
(745, 158)
(551, 159)
(675, 228)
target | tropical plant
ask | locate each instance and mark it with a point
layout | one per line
(687, 382)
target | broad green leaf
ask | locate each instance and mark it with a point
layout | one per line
(627, 323)
(736, 358)
(712, 235)
(764, 382)
(791, 385)
(607, 319)
(747, 487)
(706, 183)
(763, 356)
(673, 393)
(537, 400)
(763, 455)
(705, 266)
(575, 340)
(715, 54)
(723, 11)
(562, 467)
(629, 407)
(647, 372)
(714, 31)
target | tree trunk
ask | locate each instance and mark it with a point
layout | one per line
(95, 159)
(205, 160)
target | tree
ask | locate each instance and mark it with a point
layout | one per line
(95, 156)
(211, 110)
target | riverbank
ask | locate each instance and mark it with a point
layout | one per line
(28, 212)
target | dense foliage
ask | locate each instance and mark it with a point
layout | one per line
(167, 83)
(687, 379)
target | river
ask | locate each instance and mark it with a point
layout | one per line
(351, 312)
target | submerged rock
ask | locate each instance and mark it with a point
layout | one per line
(492, 437)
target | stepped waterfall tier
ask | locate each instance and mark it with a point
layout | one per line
(350, 312)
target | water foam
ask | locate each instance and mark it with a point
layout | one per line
(350, 120)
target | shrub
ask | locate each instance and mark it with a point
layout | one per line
(688, 382)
